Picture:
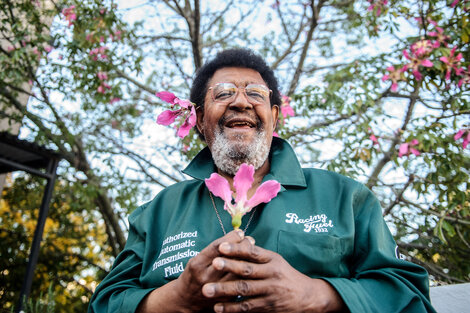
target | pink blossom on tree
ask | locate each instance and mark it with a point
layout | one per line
(466, 77)
(286, 109)
(452, 62)
(395, 76)
(441, 38)
(416, 62)
(70, 14)
(102, 75)
(465, 134)
(422, 47)
(103, 87)
(377, 5)
(48, 48)
(99, 52)
(409, 147)
(114, 100)
(372, 137)
(242, 182)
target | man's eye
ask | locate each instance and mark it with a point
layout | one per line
(255, 94)
(224, 94)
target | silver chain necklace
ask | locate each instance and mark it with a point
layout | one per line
(220, 220)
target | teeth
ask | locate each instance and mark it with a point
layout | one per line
(240, 124)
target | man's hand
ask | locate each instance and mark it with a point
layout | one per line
(267, 283)
(184, 294)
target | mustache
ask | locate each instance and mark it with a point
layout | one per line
(223, 120)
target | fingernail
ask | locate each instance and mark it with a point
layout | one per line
(225, 247)
(240, 233)
(218, 263)
(219, 308)
(251, 240)
(208, 290)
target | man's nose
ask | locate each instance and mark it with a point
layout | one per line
(240, 102)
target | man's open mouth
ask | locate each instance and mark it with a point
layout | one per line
(243, 123)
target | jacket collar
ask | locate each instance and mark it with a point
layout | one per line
(285, 167)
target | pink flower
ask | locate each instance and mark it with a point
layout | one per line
(452, 63)
(102, 75)
(10, 48)
(114, 100)
(454, 3)
(242, 182)
(187, 111)
(286, 109)
(422, 47)
(439, 35)
(48, 48)
(377, 5)
(465, 133)
(69, 14)
(166, 96)
(99, 52)
(374, 139)
(416, 62)
(275, 134)
(116, 36)
(408, 147)
(466, 78)
(103, 87)
(395, 76)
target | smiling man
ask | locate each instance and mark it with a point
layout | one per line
(320, 246)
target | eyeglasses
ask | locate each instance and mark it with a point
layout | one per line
(227, 92)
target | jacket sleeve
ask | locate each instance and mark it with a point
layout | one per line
(380, 281)
(121, 290)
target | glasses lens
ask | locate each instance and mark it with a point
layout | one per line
(224, 91)
(257, 93)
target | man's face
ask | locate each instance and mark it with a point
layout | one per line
(237, 131)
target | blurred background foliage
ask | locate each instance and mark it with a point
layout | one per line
(379, 90)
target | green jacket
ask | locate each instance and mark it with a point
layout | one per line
(324, 224)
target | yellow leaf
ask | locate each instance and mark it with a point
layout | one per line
(436, 257)
(465, 37)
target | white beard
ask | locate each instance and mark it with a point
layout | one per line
(229, 155)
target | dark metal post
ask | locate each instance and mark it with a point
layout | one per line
(34, 253)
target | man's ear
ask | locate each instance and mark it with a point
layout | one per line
(275, 114)
(200, 119)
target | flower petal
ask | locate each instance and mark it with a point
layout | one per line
(220, 187)
(166, 96)
(167, 117)
(414, 151)
(267, 191)
(459, 134)
(426, 63)
(287, 110)
(243, 181)
(189, 123)
(183, 103)
(403, 149)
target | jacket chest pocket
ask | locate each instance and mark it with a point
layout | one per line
(313, 255)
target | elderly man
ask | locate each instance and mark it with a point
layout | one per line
(320, 246)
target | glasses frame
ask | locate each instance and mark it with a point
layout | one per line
(212, 88)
